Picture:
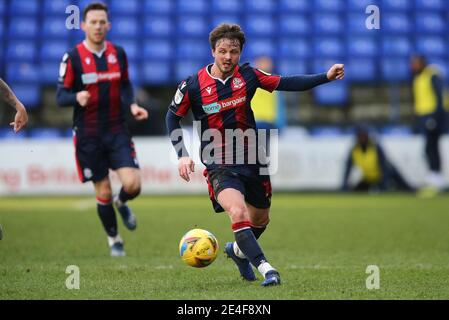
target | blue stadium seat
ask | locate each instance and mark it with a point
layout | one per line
(23, 28)
(335, 93)
(21, 8)
(134, 73)
(294, 6)
(131, 48)
(295, 48)
(395, 69)
(326, 23)
(329, 47)
(361, 5)
(56, 7)
(322, 65)
(430, 5)
(192, 26)
(84, 3)
(326, 131)
(396, 23)
(158, 6)
(260, 25)
(185, 68)
(259, 46)
(329, 5)
(120, 7)
(294, 24)
(193, 6)
(22, 72)
(54, 27)
(257, 6)
(49, 73)
(430, 23)
(224, 18)
(28, 94)
(6, 133)
(192, 49)
(157, 49)
(431, 45)
(156, 72)
(228, 6)
(360, 46)
(356, 24)
(45, 133)
(361, 70)
(292, 67)
(53, 50)
(396, 46)
(396, 5)
(124, 27)
(158, 26)
(2, 29)
(2, 7)
(20, 51)
(441, 64)
(396, 130)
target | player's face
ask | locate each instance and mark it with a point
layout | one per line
(227, 55)
(96, 26)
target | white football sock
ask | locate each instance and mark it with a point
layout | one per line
(264, 267)
(238, 252)
(112, 240)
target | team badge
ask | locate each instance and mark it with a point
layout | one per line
(87, 173)
(112, 59)
(87, 60)
(237, 83)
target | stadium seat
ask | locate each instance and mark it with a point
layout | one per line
(28, 94)
(185, 68)
(329, 5)
(295, 48)
(258, 6)
(260, 25)
(297, 6)
(430, 23)
(395, 69)
(359, 46)
(396, 5)
(396, 130)
(329, 47)
(44, 133)
(259, 46)
(396, 46)
(361, 5)
(158, 26)
(192, 6)
(292, 67)
(128, 7)
(228, 6)
(54, 28)
(20, 51)
(436, 5)
(397, 23)
(158, 6)
(335, 94)
(56, 7)
(361, 70)
(22, 8)
(156, 72)
(49, 73)
(328, 23)
(2, 29)
(2, 8)
(134, 73)
(124, 27)
(22, 72)
(157, 49)
(294, 24)
(192, 26)
(23, 28)
(356, 24)
(325, 131)
(431, 45)
(224, 18)
(7, 134)
(131, 48)
(193, 49)
(53, 50)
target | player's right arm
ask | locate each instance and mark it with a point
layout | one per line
(65, 94)
(176, 111)
(21, 117)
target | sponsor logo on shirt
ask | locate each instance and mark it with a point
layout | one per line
(226, 104)
(94, 77)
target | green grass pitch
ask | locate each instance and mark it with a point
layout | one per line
(320, 243)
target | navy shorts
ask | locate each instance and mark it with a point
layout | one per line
(95, 155)
(255, 188)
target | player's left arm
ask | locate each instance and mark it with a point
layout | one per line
(21, 117)
(299, 82)
(127, 93)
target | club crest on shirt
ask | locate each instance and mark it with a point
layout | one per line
(237, 83)
(112, 58)
(87, 60)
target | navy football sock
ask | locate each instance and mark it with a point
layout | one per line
(125, 196)
(257, 230)
(107, 216)
(247, 243)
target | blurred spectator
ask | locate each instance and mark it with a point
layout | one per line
(429, 110)
(378, 174)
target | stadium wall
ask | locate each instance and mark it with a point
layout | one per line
(39, 167)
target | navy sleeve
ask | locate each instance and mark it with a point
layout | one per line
(65, 97)
(175, 132)
(302, 82)
(127, 93)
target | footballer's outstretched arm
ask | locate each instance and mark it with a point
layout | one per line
(21, 117)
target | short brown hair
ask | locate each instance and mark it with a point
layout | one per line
(94, 6)
(227, 31)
